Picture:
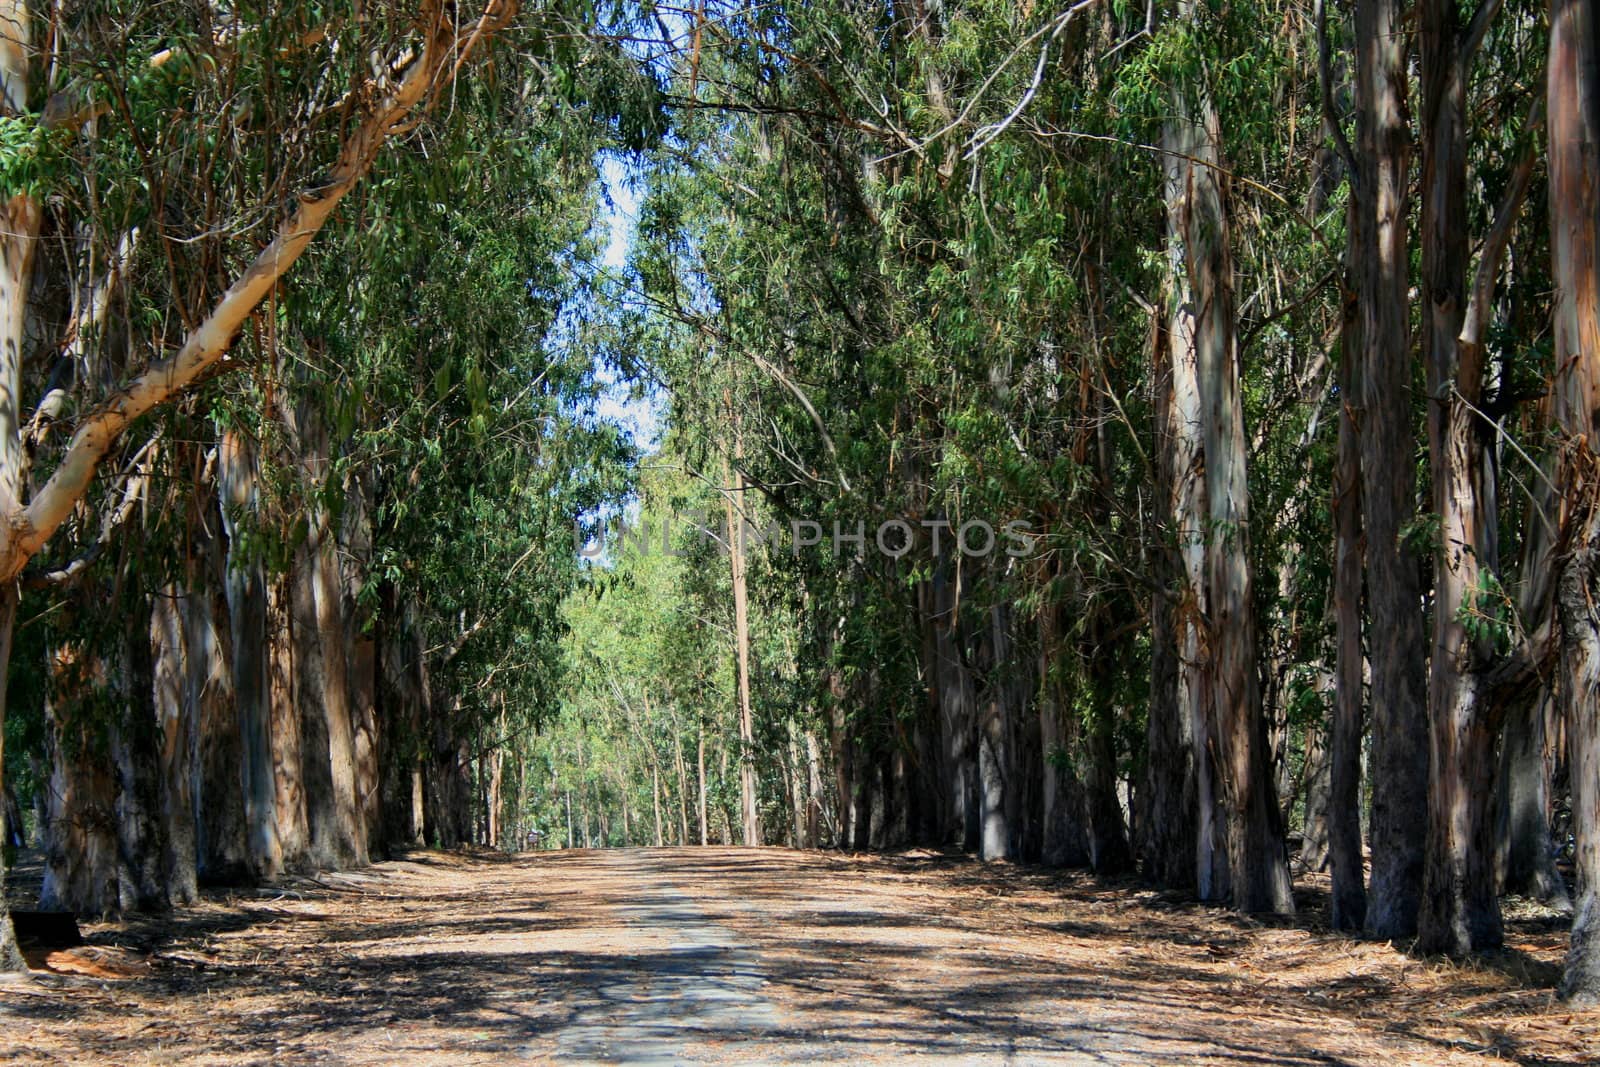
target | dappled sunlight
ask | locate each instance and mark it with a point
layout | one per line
(776, 955)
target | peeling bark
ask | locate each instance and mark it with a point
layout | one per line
(1573, 103)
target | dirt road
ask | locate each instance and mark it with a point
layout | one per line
(768, 955)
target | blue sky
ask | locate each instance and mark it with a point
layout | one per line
(640, 416)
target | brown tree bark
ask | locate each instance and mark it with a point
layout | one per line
(285, 725)
(142, 846)
(1315, 788)
(1065, 842)
(1388, 486)
(349, 838)
(1186, 507)
(1346, 861)
(683, 780)
(10, 957)
(1573, 138)
(1460, 911)
(1204, 337)
(354, 545)
(308, 692)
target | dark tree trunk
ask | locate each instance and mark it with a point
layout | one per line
(403, 693)
(308, 693)
(1346, 863)
(247, 615)
(355, 546)
(1388, 488)
(221, 827)
(1526, 854)
(1316, 785)
(957, 700)
(136, 752)
(1066, 841)
(1460, 910)
(1109, 852)
(10, 957)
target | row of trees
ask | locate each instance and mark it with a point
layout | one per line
(1278, 324)
(1282, 342)
(330, 533)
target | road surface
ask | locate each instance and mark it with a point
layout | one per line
(760, 956)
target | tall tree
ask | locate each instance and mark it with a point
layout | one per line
(1388, 471)
(1573, 117)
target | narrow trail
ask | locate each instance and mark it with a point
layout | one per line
(768, 956)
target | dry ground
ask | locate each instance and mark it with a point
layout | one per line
(763, 955)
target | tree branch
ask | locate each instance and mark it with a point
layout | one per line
(27, 530)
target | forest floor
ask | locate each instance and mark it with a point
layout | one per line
(771, 955)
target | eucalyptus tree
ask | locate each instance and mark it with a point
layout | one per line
(1574, 146)
(1381, 184)
(1467, 701)
(120, 121)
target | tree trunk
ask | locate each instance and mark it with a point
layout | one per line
(1388, 496)
(284, 725)
(1346, 863)
(1235, 729)
(1109, 852)
(1317, 785)
(814, 811)
(19, 231)
(308, 691)
(221, 828)
(955, 693)
(750, 816)
(136, 753)
(10, 957)
(349, 839)
(355, 545)
(996, 763)
(495, 785)
(1166, 825)
(683, 781)
(1460, 910)
(177, 735)
(700, 771)
(81, 868)
(1065, 837)
(1573, 137)
(1187, 508)
(247, 612)
(1526, 855)
(403, 694)
(655, 796)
